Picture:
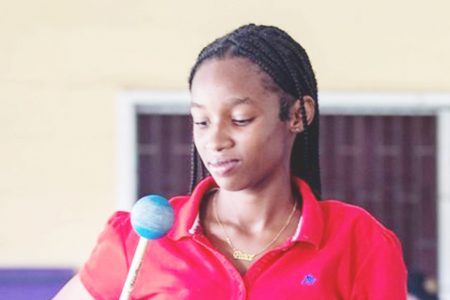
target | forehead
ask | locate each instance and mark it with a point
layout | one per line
(234, 78)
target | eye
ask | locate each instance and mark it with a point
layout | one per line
(241, 122)
(200, 124)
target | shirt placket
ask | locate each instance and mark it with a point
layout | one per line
(239, 286)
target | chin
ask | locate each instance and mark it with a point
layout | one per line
(232, 184)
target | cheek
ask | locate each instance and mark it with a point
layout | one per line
(197, 134)
(276, 144)
(198, 139)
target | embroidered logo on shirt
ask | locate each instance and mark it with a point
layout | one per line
(309, 280)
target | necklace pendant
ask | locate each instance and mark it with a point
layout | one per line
(240, 255)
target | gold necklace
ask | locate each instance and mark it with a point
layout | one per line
(240, 254)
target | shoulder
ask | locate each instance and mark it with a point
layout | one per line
(346, 214)
(373, 252)
(178, 202)
(120, 221)
(357, 224)
(118, 226)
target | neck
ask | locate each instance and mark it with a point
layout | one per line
(257, 209)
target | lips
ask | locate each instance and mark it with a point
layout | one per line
(222, 167)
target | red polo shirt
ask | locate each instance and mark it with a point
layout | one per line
(338, 252)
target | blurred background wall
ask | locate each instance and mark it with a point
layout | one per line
(64, 63)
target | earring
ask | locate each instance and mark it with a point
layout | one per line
(296, 130)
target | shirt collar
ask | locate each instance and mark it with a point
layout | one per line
(186, 210)
(311, 224)
(309, 229)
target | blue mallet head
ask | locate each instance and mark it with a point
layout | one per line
(152, 217)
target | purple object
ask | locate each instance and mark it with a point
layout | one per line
(36, 284)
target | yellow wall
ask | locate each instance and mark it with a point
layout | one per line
(62, 64)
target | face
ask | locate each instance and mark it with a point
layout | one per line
(237, 130)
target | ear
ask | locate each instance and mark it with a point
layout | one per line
(295, 122)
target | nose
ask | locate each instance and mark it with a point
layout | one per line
(218, 138)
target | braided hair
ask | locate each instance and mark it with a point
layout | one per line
(288, 65)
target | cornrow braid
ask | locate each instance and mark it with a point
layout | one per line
(288, 65)
(294, 74)
(194, 167)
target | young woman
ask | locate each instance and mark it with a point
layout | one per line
(255, 228)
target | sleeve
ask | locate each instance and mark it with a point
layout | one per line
(382, 275)
(104, 273)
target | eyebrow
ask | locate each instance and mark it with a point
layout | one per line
(233, 102)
